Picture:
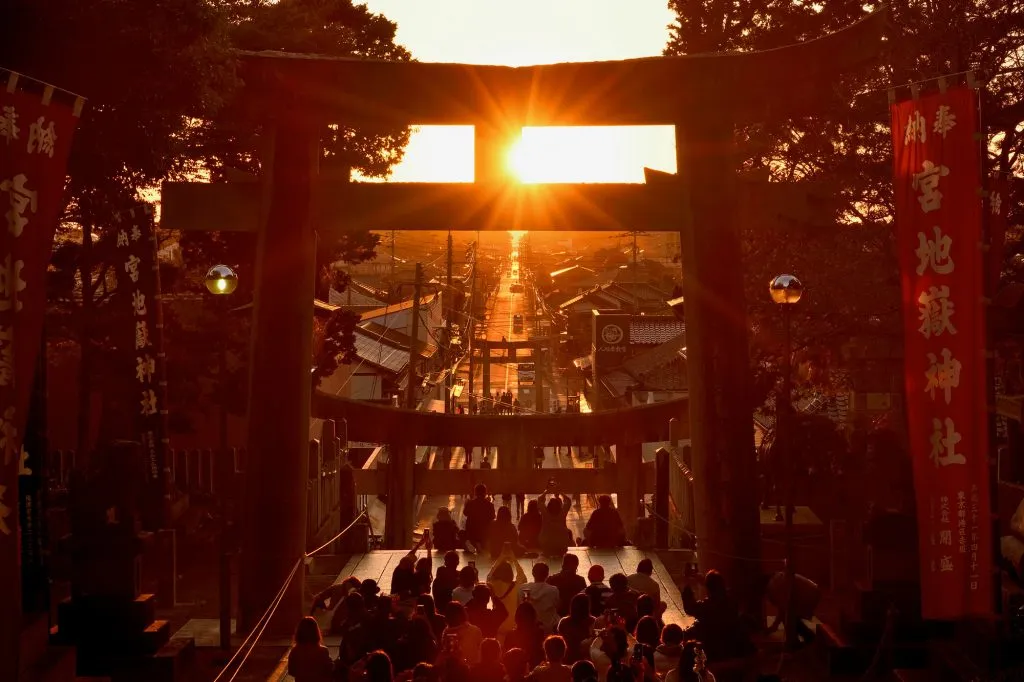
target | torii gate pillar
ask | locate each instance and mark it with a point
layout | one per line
(274, 532)
(721, 411)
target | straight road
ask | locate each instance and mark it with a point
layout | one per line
(503, 305)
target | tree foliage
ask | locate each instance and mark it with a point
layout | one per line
(844, 251)
(159, 76)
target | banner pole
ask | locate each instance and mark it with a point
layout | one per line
(991, 285)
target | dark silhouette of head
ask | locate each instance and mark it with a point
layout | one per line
(515, 661)
(480, 490)
(490, 651)
(467, 577)
(307, 631)
(647, 632)
(715, 584)
(540, 572)
(504, 515)
(619, 583)
(579, 608)
(554, 649)
(504, 572)
(570, 563)
(646, 566)
(526, 615)
(451, 558)
(378, 667)
(604, 502)
(584, 671)
(672, 635)
(533, 507)
(454, 614)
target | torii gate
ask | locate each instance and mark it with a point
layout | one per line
(703, 96)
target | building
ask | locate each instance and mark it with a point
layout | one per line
(636, 359)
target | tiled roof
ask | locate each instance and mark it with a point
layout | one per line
(397, 307)
(376, 352)
(577, 268)
(354, 297)
(645, 330)
(396, 338)
(662, 367)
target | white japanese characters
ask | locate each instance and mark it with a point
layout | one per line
(145, 368)
(21, 199)
(933, 254)
(944, 440)
(916, 129)
(927, 181)
(935, 312)
(995, 203)
(942, 375)
(11, 284)
(41, 137)
(148, 402)
(9, 129)
(131, 266)
(945, 119)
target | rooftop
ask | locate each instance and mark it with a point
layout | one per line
(396, 307)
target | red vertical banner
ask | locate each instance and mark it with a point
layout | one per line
(937, 176)
(35, 141)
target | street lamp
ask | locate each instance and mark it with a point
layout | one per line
(786, 291)
(221, 281)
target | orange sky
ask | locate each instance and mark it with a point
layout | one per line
(534, 32)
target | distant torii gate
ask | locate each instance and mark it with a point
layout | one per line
(483, 348)
(703, 96)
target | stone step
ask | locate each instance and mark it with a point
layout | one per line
(80, 617)
(175, 661)
(56, 664)
(33, 640)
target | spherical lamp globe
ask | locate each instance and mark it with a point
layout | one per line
(221, 280)
(786, 289)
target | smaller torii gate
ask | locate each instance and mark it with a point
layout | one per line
(514, 436)
(484, 348)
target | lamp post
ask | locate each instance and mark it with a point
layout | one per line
(786, 291)
(221, 281)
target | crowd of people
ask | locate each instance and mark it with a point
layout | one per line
(450, 625)
(542, 528)
(453, 627)
(500, 402)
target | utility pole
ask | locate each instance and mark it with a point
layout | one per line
(449, 310)
(636, 252)
(470, 319)
(414, 382)
(391, 276)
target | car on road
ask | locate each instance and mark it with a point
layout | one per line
(516, 288)
(517, 323)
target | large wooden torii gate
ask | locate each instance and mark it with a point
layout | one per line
(703, 96)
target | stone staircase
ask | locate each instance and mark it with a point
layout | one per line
(121, 640)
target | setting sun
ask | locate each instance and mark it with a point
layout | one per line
(591, 154)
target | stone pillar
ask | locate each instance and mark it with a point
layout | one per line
(721, 413)
(538, 382)
(627, 472)
(398, 521)
(274, 526)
